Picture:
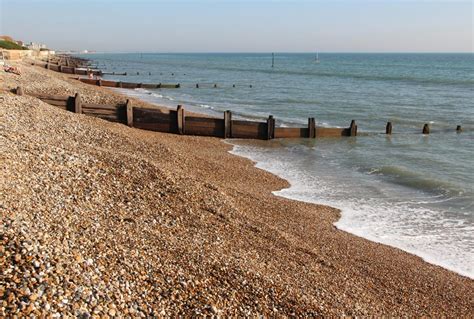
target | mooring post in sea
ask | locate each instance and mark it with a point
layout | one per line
(197, 85)
(353, 128)
(273, 60)
(311, 127)
(458, 129)
(388, 128)
(215, 85)
(426, 129)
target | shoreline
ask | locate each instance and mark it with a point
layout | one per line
(402, 246)
(424, 256)
(285, 245)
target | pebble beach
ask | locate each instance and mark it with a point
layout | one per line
(100, 220)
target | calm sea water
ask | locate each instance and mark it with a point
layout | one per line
(407, 190)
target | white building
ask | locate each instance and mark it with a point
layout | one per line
(35, 46)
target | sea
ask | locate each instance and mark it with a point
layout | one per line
(407, 190)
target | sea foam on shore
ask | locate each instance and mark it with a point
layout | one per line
(370, 208)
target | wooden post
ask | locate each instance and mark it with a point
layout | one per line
(180, 119)
(311, 127)
(19, 90)
(178, 85)
(388, 128)
(458, 129)
(197, 85)
(426, 129)
(353, 128)
(99, 82)
(215, 85)
(77, 103)
(74, 70)
(227, 124)
(129, 110)
(270, 127)
(119, 84)
(60, 68)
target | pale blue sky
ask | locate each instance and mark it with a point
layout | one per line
(243, 26)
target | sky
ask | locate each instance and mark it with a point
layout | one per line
(243, 26)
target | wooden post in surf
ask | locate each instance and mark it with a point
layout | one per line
(129, 111)
(458, 129)
(19, 90)
(180, 119)
(227, 124)
(426, 129)
(270, 127)
(60, 68)
(388, 128)
(353, 129)
(99, 82)
(311, 127)
(77, 103)
(197, 85)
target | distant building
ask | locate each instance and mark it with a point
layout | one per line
(35, 46)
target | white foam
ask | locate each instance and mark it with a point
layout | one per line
(401, 224)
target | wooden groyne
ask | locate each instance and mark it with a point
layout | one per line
(175, 121)
(67, 69)
(129, 85)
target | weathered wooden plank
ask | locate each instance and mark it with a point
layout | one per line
(105, 117)
(157, 127)
(144, 115)
(108, 83)
(50, 97)
(99, 111)
(128, 85)
(56, 102)
(291, 132)
(150, 86)
(242, 129)
(246, 123)
(205, 126)
(170, 86)
(331, 132)
(101, 106)
(155, 120)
